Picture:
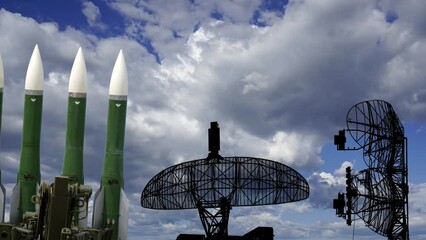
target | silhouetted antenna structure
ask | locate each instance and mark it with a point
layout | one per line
(379, 194)
(214, 184)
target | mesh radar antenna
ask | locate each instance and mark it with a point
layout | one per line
(379, 194)
(214, 184)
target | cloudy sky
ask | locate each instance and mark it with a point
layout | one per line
(278, 76)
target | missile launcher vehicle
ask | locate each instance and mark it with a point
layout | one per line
(59, 210)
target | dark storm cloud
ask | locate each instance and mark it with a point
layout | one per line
(310, 76)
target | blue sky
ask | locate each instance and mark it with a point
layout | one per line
(278, 76)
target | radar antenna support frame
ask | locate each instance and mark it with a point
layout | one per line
(215, 224)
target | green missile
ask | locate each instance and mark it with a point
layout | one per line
(29, 165)
(2, 189)
(74, 143)
(111, 204)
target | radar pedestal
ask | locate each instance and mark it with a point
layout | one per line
(215, 224)
(215, 184)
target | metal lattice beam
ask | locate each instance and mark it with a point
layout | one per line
(244, 181)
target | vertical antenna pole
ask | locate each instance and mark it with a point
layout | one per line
(214, 141)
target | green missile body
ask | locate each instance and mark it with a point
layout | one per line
(29, 164)
(74, 143)
(2, 189)
(111, 204)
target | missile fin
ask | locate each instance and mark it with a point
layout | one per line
(98, 208)
(14, 203)
(2, 201)
(124, 216)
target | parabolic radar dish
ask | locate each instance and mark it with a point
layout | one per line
(376, 128)
(379, 194)
(243, 181)
(215, 184)
(372, 203)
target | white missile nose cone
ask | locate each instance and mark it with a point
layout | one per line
(78, 75)
(118, 83)
(35, 76)
(1, 73)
